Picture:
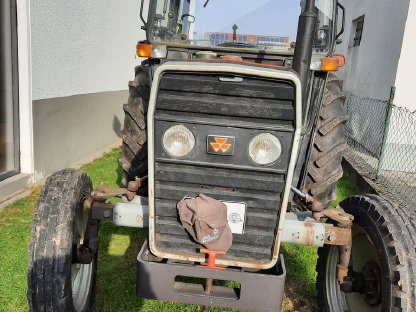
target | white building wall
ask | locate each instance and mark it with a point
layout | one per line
(81, 47)
(371, 67)
(400, 150)
(82, 55)
(405, 80)
(384, 59)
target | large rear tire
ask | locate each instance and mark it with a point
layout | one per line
(324, 168)
(134, 148)
(382, 265)
(55, 282)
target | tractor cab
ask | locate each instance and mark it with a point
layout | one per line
(235, 26)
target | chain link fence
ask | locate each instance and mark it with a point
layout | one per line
(382, 146)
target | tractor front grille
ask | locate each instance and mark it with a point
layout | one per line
(214, 104)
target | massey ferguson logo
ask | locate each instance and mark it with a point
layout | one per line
(219, 145)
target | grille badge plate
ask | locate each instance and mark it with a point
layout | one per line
(236, 214)
(220, 145)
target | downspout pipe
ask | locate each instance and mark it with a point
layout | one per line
(304, 45)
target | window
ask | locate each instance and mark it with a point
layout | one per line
(359, 26)
(242, 38)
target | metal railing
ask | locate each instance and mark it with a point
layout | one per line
(382, 146)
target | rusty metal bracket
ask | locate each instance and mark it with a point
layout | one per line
(314, 205)
(96, 209)
(338, 215)
(344, 260)
(104, 192)
(85, 253)
(102, 211)
(344, 249)
(336, 236)
(340, 235)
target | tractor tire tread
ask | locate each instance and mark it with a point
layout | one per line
(399, 238)
(133, 159)
(324, 168)
(48, 276)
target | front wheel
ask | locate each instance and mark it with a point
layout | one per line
(56, 282)
(382, 270)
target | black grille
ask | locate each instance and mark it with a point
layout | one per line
(262, 101)
(212, 104)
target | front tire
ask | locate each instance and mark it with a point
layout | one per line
(55, 282)
(382, 264)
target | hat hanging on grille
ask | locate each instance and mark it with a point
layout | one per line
(205, 219)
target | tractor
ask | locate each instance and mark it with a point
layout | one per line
(233, 143)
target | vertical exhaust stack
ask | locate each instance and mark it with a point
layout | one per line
(304, 44)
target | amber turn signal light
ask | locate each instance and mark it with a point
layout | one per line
(331, 64)
(327, 64)
(341, 59)
(144, 49)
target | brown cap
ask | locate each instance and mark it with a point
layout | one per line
(205, 219)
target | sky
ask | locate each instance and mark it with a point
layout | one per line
(257, 17)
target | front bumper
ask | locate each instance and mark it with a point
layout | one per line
(260, 291)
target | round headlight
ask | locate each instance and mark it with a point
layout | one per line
(265, 149)
(178, 141)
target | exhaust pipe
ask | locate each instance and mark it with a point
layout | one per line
(304, 45)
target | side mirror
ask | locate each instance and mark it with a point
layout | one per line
(339, 5)
(141, 16)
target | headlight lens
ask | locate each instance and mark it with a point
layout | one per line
(265, 149)
(178, 141)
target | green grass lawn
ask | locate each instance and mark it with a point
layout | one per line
(117, 256)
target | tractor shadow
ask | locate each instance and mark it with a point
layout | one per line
(116, 280)
(116, 277)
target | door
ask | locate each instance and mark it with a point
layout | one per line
(9, 123)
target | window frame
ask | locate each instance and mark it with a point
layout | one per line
(15, 91)
(358, 31)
